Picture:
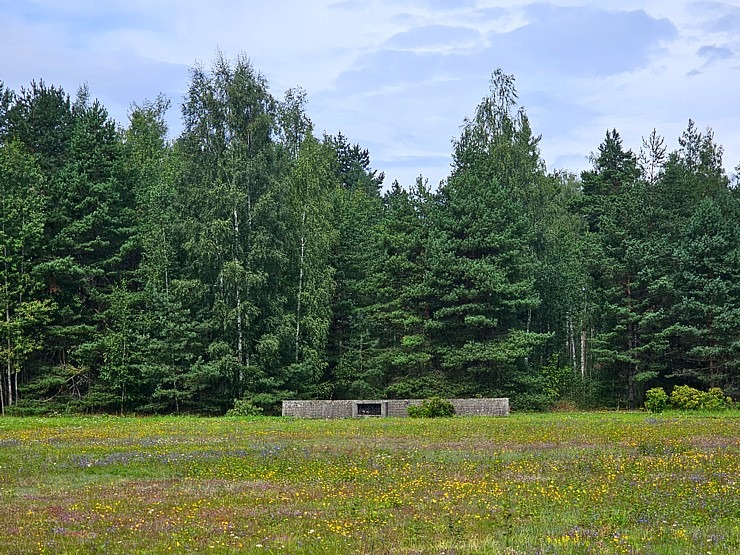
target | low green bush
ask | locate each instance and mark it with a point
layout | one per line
(244, 407)
(715, 399)
(684, 397)
(432, 408)
(656, 399)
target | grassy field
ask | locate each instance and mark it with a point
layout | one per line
(539, 484)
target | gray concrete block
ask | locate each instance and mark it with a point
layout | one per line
(388, 407)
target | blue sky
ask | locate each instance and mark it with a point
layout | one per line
(399, 76)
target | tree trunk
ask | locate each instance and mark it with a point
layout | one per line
(584, 371)
(166, 266)
(246, 355)
(570, 343)
(239, 320)
(2, 397)
(631, 345)
(300, 286)
(15, 385)
(9, 359)
(711, 344)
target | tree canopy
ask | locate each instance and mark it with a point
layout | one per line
(250, 260)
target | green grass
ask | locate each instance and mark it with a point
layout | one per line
(539, 484)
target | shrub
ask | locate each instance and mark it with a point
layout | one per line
(689, 398)
(715, 399)
(656, 399)
(686, 397)
(432, 408)
(244, 407)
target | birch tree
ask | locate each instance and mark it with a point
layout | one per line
(229, 209)
(25, 310)
(313, 185)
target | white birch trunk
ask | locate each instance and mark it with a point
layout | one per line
(6, 285)
(239, 320)
(9, 359)
(583, 354)
(300, 286)
(246, 356)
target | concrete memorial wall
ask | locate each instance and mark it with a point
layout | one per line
(388, 407)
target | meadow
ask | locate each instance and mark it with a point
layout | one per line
(565, 483)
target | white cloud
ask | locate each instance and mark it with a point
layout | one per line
(399, 76)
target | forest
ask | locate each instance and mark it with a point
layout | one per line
(250, 260)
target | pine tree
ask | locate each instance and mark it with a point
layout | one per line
(357, 208)
(626, 250)
(481, 255)
(88, 234)
(698, 215)
(40, 117)
(483, 287)
(708, 283)
(86, 227)
(399, 315)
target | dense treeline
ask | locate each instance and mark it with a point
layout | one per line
(249, 259)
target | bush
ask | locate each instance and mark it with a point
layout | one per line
(432, 408)
(244, 407)
(688, 398)
(656, 399)
(715, 399)
(685, 397)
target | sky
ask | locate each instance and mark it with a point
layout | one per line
(399, 76)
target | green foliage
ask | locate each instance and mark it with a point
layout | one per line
(353, 370)
(248, 259)
(705, 318)
(684, 397)
(434, 407)
(414, 385)
(244, 407)
(400, 302)
(715, 399)
(656, 399)
(25, 309)
(481, 260)
(542, 389)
